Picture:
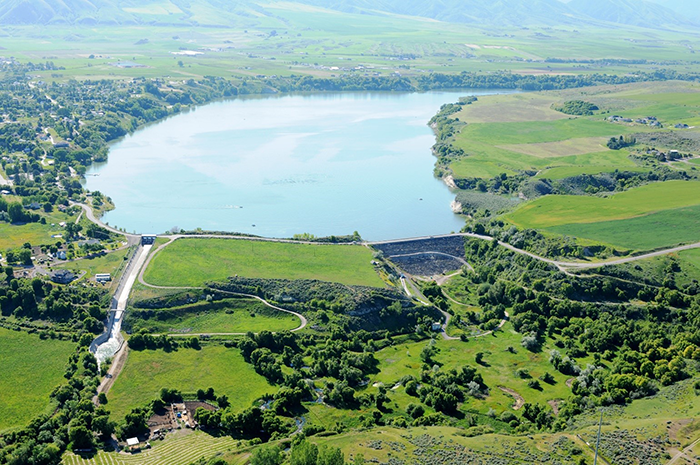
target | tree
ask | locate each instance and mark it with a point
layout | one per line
(80, 438)
(268, 455)
(25, 257)
(304, 453)
(16, 212)
(330, 456)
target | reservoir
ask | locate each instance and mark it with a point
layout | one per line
(324, 164)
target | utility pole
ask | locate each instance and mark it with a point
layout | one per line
(597, 442)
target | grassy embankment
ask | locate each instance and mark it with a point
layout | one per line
(192, 262)
(235, 316)
(31, 369)
(187, 370)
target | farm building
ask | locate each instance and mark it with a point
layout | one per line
(103, 277)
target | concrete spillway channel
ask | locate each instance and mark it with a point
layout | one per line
(107, 344)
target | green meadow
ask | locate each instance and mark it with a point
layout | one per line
(558, 210)
(31, 369)
(666, 228)
(499, 369)
(188, 262)
(187, 370)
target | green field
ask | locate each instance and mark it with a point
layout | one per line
(663, 229)
(31, 369)
(557, 210)
(236, 316)
(187, 370)
(521, 132)
(192, 262)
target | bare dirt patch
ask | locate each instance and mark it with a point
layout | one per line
(555, 405)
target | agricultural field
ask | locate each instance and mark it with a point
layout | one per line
(644, 218)
(187, 370)
(228, 316)
(180, 448)
(186, 262)
(246, 46)
(512, 133)
(35, 365)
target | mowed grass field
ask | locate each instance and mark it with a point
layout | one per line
(29, 370)
(147, 372)
(192, 262)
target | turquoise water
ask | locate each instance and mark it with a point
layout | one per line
(325, 164)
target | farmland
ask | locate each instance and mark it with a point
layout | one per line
(182, 448)
(187, 370)
(557, 210)
(187, 262)
(35, 365)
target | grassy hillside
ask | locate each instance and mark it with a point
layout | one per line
(188, 262)
(31, 369)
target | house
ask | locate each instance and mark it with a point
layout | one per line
(437, 327)
(62, 277)
(61, 144)
(33, 206)
(61, 255)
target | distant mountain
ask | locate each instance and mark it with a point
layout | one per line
(490, 12)
(687, 8)
(631, 12)
(61, 11)
(496, 13)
